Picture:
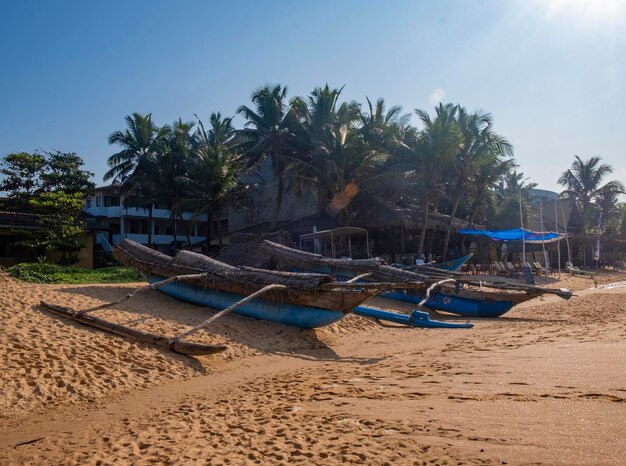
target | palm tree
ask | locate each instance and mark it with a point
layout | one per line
(382, 128)
(323, 128)
(142, 138)
(512, 189)
(488, 172)
(583, 185)
(213, 180)
(480, 144)
(269, 133)
(142, 142)
(172, 167)
(439, 141)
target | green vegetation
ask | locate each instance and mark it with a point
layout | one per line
(39, 272)
(54, 186)
(62, 225)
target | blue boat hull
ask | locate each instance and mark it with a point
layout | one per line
(282, 313)
(454, 304)
(438, 301)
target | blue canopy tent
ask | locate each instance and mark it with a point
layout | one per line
(517, 234)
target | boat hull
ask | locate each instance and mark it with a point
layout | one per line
(280, 312)
(451, 265)
(454, 304)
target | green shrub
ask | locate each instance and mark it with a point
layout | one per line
(42, 272)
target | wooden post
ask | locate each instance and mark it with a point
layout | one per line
(186, 348)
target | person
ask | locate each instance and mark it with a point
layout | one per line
(493, 253)
(504, 251)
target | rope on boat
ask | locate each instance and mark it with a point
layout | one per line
(431, 288)
(228, 310)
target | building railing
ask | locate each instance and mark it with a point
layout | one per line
(118, 211)
(156, 239)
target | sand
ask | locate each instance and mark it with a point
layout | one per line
(545, 384)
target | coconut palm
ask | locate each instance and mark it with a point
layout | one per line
(512, 190)
(480, 144)
(171, 170)
(213, 179)
(142, 138)
(583, 185)
(323, 128)
(439, 141)
(142, 142)
(488, 173)
(269, 133)
(382, 128)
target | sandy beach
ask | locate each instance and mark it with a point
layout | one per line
(545, 384)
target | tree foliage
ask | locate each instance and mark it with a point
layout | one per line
(583, 184)
(63, 172)
(52, 185)
(21, 178)
(62, 222)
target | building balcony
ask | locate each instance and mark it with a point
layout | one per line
(111, 212)
(156, 239)
(119, 211)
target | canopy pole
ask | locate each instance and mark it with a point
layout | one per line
(556, 228)
(569, 251)
(521, 221)
(543, 240)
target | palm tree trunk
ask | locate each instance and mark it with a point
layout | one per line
(150, 225)
(446, 240)
(186, 229)
(420, 246)
(208, 232)
(219, 229)
(279, 201)
(173, 219)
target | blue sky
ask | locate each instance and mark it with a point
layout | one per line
(551, 72)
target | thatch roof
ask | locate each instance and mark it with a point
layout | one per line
(377, 212)
(244, 249)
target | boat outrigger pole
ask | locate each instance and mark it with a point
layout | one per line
(174, 344)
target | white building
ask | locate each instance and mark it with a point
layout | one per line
(106, 205)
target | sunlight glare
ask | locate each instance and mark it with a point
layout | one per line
(585, 10)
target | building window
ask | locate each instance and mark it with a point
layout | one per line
(111, 201)
(97, 201)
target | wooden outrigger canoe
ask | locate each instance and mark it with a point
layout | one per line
(466, 297)
(309, 300)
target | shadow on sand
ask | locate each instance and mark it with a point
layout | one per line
(262, 336)
(186, 360)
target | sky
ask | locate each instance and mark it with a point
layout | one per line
(551, 72)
